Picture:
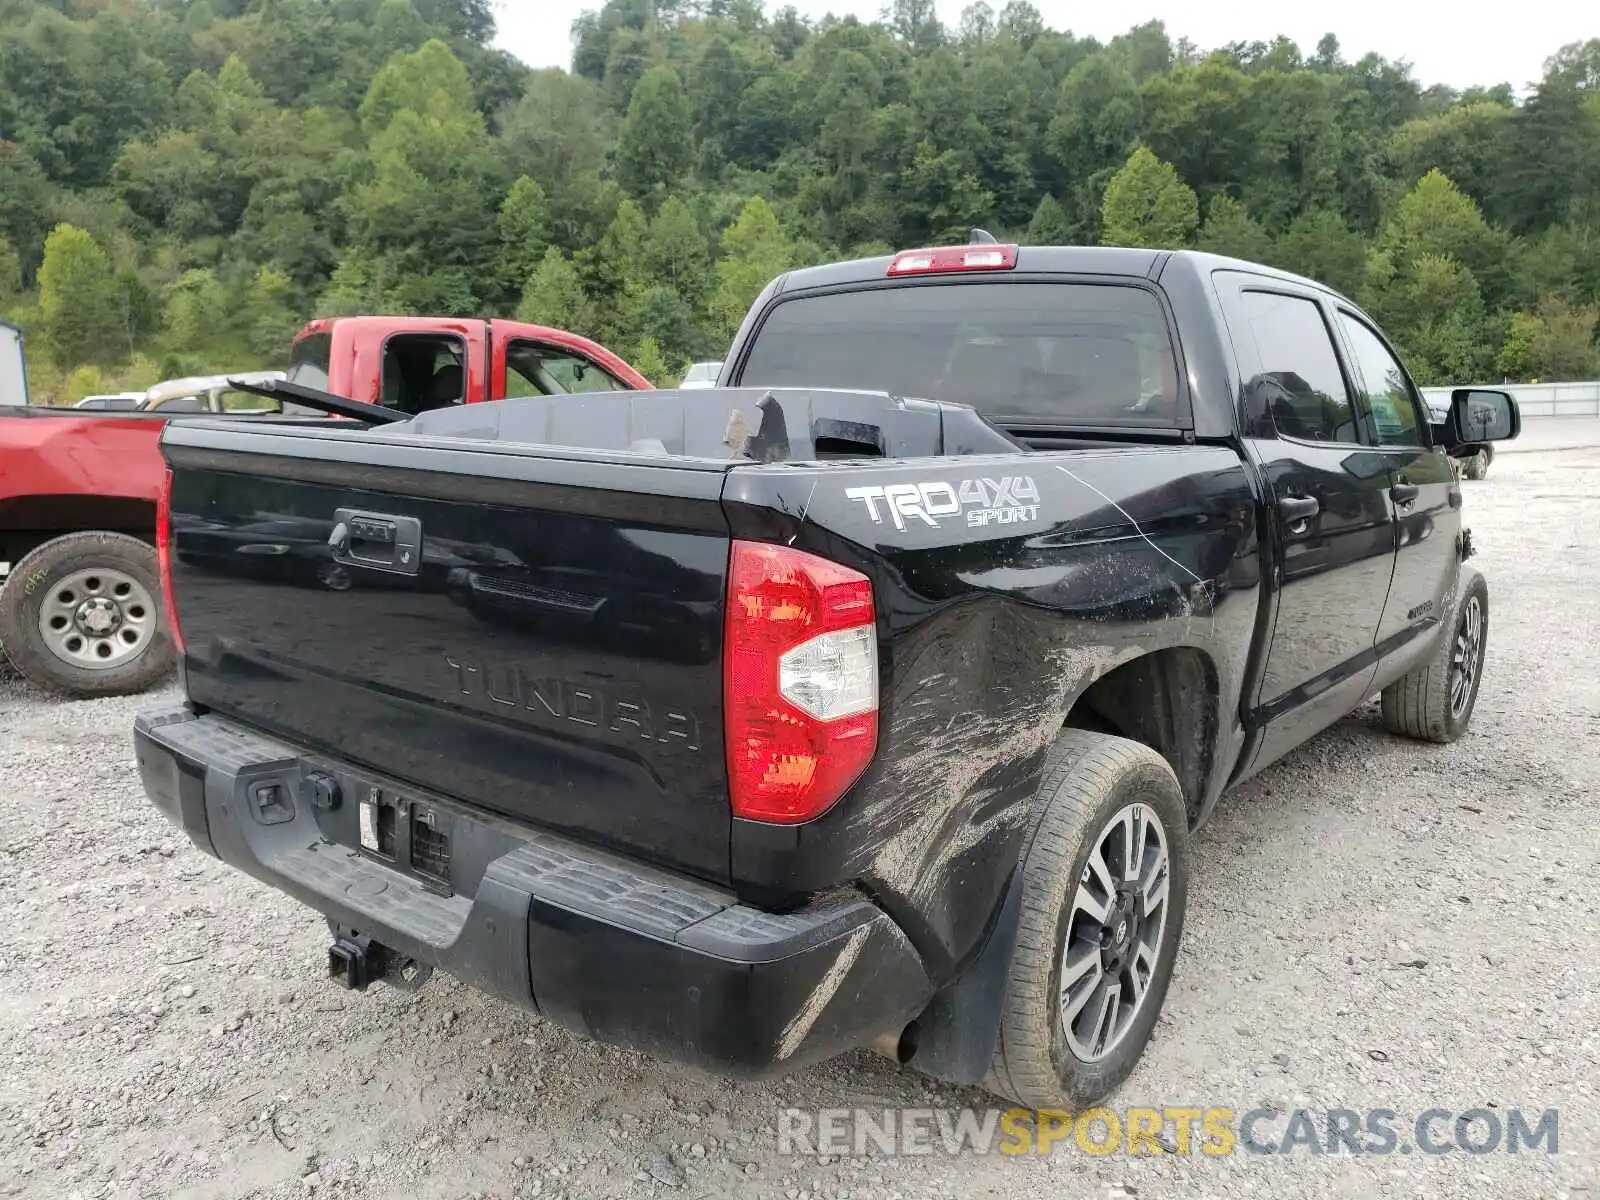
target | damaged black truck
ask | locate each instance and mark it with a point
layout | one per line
(868, 699)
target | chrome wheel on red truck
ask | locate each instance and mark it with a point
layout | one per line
(80, 615)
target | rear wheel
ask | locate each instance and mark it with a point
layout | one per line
(80, 615)
(1105, 880)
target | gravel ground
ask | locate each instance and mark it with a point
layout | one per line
(1372, 924)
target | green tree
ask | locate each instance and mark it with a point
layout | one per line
(1319, 246)
(1146, 204)
(382, 155)
(27, 202)
(1231, 230)
(10, 272)
(1553, 343)
(1436, 219)
(1097, 117)
(1434, 308)
(524, 232)
(648, 360)
(301, 166)
(560, 133)
(555, 296)
(173, 183)
(83, 381)
(352, 290)
(78, 298)
(1050, 226)
(616, 272)
(269, 314)
(754, 252)
(431, 81)
(676, 252)
(655, 144)
(424, 219)
(943, 197)
(197, 310)
(1468, 144)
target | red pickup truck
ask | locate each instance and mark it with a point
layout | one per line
(80, 610)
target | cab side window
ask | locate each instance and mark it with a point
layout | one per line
(1392, 410)
(1300, 384)
(534, 370)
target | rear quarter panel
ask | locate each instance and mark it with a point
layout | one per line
(65, 452)
(991, 632)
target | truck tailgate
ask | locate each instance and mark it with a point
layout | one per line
(526, 630)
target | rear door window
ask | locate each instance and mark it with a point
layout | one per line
(1022, 353)
(1297, 380)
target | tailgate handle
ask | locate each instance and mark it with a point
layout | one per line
(377, 541)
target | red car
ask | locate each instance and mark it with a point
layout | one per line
(80, 609)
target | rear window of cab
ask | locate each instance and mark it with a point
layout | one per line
(1091, 354)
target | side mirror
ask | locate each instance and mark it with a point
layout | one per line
(1480, 415)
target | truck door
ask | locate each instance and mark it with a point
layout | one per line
(1423, 495)
(1331, 529)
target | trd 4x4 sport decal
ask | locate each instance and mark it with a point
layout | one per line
(1009, 500)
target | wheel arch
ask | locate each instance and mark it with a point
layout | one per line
(1167, 699)
(29, 521)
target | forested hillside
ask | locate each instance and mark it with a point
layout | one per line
(182, 182)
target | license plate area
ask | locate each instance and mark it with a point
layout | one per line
(409, 834)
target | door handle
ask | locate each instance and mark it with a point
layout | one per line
(1298, 511)
(376, 540)
(1403, 494)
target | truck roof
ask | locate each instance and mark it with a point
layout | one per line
(1065, 260)
(190, 384)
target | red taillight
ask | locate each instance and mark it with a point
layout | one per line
(944, 259)
(800, 682)
(164, 557)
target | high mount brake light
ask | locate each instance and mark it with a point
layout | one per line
(800, 682)
(164, 558)
(950, 259)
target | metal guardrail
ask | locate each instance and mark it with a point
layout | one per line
(1543, 399)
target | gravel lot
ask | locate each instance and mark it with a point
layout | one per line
(1372, 924)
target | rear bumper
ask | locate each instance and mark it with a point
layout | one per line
(617, 950)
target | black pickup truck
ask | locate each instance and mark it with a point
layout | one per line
(868, 699)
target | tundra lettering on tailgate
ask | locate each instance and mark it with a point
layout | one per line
(1009, 500)
(513, 686)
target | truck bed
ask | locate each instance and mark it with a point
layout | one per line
(554, 653)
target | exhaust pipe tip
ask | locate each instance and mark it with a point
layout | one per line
(899, 1047)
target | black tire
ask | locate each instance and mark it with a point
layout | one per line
(33, 579)
(1089, 778)
(1477, 466)
(1422, 705)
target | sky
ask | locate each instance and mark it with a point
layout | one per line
(1446, 42)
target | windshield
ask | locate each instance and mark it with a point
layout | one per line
(1021, 353)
